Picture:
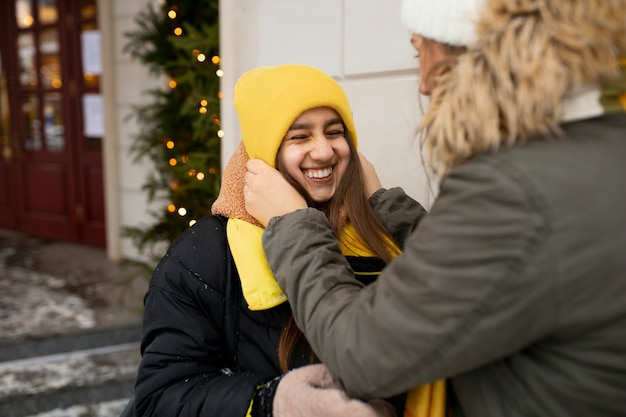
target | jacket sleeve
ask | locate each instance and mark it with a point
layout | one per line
(398, 212)
(443, 307)
(186, 369)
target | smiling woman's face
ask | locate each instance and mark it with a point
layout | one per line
(315, 152)
(430, 54)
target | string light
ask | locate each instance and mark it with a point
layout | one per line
(173, 162)
(200, 176)
(171, 208)
(172, 14)
(203, 110)
(178, 31)
(219, 73)
(172, 84)
(191, 222)
(216, 59)
(169, 144)
(201, 57)
(220, 133)
(204, 103)
(182, 211)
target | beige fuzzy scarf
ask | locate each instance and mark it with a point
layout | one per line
(510, 85)
(230, 201)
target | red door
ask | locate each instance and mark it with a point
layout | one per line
(51, 178)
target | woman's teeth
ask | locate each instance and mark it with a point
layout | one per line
(318, 173)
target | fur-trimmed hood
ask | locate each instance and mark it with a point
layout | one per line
(510, 85)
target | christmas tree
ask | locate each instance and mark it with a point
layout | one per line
(180, 127)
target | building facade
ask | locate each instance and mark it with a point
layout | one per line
(67, 90)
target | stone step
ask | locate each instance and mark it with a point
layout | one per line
(12, 349)
(79, 372)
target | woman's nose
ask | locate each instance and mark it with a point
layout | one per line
(424, 89)
(322, 149)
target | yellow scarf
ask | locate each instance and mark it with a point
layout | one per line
(427, 400)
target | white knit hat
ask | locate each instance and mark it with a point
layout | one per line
(447, 21)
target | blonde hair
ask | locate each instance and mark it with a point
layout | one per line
(509, 85)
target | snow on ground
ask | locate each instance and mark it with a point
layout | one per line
(51, 289)
(34, 303)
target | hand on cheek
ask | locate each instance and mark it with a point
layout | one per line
(267, 193)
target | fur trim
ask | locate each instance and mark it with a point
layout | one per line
(510, 84)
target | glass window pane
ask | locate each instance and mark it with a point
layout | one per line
(5, 129)
(91, 80)
(50, 59)
(91, 56)
(26, 53)
(32, 125)
(89, 26)
(24, 13)
(93, 121)
(48, 12)
(88, 9)
(53, 122)
(93, 144)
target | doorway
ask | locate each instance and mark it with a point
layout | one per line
(52, 122)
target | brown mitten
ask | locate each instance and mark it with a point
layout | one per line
(311, 391)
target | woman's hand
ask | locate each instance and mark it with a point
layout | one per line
(268, 194)
(370, 178)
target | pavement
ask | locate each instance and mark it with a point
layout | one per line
(70, 326)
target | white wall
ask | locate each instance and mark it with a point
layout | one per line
(362, 44)
(125, 82)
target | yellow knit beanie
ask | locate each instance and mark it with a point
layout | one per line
(269, 99)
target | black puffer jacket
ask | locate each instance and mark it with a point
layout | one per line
(186, 367)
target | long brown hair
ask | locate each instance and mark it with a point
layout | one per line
(350, 204)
